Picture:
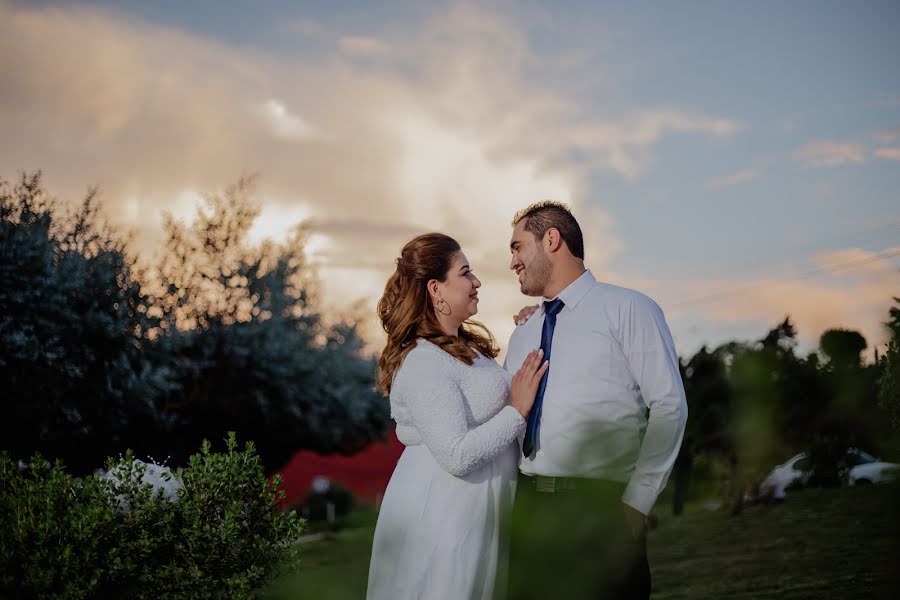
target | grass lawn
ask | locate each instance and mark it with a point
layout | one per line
(334, 568)
(831, 543)
(835, 543)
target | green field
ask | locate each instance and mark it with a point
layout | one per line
(833, 543)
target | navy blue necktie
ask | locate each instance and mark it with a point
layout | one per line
(551, 309)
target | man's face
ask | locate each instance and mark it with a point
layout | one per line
(529, 261)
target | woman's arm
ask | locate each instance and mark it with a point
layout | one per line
(431, 392)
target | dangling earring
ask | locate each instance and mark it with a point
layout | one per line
(440, 305)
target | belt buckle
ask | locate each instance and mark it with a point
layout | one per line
(545, 484)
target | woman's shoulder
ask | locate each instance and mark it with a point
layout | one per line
(425, 367)
(428, 352)
(426, 359)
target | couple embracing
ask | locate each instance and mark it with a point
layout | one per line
(531, 480)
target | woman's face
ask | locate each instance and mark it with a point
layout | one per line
(460, 289)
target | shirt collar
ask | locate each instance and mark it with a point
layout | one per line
(575, 291)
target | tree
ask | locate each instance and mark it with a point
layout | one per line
(893, 322)
(889, 381)
(781, 339)
(98, 356)
(707, 432)
(843, 347)
(73, 327)
(748, 404)
(850, 415)
(254, 355)
(752, 405)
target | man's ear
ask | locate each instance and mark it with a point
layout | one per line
(552, 240)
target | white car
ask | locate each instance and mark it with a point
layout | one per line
(794, 472)
(864, 473)
(863, 468)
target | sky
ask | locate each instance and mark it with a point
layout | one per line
(738, 162)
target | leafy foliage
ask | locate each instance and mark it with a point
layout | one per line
(254, 355)
(98, 355)
(314, 506)
(889, 382)
(752, 405)
(842, 347)
(69, 538)
(73, 330)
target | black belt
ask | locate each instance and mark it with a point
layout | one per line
(553, 485)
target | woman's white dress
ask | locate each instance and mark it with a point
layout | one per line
(438, 533)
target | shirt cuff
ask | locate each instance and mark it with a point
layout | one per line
(639, 496)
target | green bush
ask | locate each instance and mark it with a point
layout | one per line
(314, 506)
(64, 537)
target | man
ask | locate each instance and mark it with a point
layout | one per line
(593, 462)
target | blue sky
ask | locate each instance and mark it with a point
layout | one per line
(737, 161)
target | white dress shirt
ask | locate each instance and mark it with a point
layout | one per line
(612, 359)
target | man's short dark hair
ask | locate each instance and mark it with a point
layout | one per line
(547, 214)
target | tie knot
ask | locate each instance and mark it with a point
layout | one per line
(552, 307)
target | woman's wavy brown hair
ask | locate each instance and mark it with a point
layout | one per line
(407, 313)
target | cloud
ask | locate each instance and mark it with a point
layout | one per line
(363, 46)
(855, 259)
(888, 135)
(361, 228)
(621, 145)
(277, 221)
(301, 27)
(888, 153)
(740, 176)
(283, 124)
(446, 131)
(830, 154)
(850, 288)
(887, 100)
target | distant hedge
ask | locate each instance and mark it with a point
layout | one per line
(117, 537)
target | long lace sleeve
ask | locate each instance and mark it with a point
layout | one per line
(435, 405)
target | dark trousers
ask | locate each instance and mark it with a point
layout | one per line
(574, 543)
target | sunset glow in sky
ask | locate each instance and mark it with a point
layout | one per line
(738, 162)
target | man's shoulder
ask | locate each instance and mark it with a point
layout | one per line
(522, 337)
(621, 305)
(520, 331)
(617, 295)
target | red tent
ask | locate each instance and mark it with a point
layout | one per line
(365, 473)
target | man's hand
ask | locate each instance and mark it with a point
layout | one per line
(637, 521)
(525, 313)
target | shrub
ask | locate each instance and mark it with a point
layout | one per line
(65, 537)
(314, 506)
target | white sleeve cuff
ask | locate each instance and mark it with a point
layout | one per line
(639, 497)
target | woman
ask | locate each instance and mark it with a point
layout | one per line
(459, 415)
